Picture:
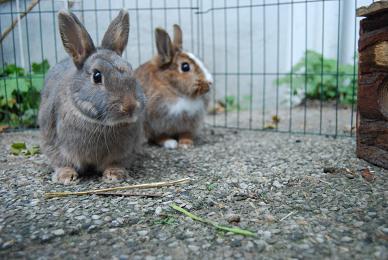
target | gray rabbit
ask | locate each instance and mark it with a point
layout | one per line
(90, 115)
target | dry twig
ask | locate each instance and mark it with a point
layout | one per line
(14, 22)
(286, 216)
(128, 187)
(130, 194)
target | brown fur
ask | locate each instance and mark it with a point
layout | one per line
(164, 83)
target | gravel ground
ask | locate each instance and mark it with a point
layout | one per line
(292, 191)
(328, 120)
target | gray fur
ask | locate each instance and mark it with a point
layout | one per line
(81, 123)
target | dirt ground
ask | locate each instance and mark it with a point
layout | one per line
(302, 197)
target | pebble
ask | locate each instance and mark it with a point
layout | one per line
(158, 211)
(95, 217)
(277, 184)
(346, 239)
(58, 232)
(384, 229)
(243, 186)
(233, 218)
(267, 234)
(142, 232)
(249, 245)
(70, 210)
(193, 248)
(260, 245)
(8, 244)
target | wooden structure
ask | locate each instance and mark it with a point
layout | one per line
(372, 117)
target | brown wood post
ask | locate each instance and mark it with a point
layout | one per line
(372, 108)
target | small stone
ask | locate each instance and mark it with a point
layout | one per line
(358, 224)
(34, 202)
(193, 248)
(260, 245)
(70, 210)
(115, 223)
(142, 232)
(233, 218)
(8, 244)
(243, 186)
(158, 211)
(235, 243)
(173, 244)
(372, 214)
(123, 257)
(98, 222)
(107, 218)
(95, 217)
(277, 184)
(58, 232)
(267, 235)
(219, 240)
(385, 230)
(249, 245)
(80, 217)
(346, 239)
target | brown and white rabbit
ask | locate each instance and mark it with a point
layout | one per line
(90, 115)
(176, 84)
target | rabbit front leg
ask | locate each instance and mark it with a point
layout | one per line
(65, 175)
(166, 142)
(185, 140)
(114, 173)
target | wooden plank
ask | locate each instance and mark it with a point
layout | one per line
(372, 106)
(373, 155)
(368, 95)
(373, 9)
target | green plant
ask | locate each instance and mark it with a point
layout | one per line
(20, 93)
(233, 104)
(320, 78)
(166, 220)
(211, 186)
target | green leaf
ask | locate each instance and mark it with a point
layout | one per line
(15, 151)
(34, 150)
(40, 68)
(19, 145)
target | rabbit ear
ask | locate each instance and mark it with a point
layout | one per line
(177, 37)
(75, 38)
(164, 46)
(116, 37)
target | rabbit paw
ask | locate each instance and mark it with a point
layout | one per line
(170, 144)
(114, 174)
(65, 175)
(185, 143)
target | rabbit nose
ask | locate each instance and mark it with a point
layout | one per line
(129, 104)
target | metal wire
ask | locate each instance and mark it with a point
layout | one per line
(276, 35)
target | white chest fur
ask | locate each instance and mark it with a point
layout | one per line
(186, 105)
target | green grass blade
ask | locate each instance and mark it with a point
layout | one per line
(234, 230)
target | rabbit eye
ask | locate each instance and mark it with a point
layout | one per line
(97, 77)
(185, 67)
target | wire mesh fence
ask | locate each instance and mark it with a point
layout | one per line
(278, 65)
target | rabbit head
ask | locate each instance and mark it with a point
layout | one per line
(102, 88)
(183, 70)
